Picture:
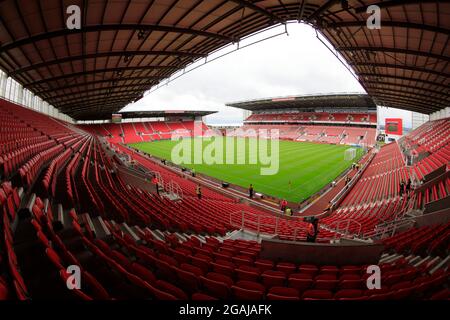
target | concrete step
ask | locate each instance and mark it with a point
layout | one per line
(441, 265)
(422, 261)
(391, 258)
(160, 234)
(433, 262)
(137, 230)
(199, 237)
(126, 229)
(101, 231)
(86, 218)
(181, 237)
(155, 235)
(415, 259)
(61, 217)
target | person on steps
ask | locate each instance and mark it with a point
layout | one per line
(198, 190)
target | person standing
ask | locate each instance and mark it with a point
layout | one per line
(283, 205)
(198, 190)
(312, 230)
(251, 191)
(402, 186)
(408, 186)
(288, 212)
(155, 182)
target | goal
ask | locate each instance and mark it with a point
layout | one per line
(350, 154)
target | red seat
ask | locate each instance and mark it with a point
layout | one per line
(325, 277)
(273, 278)
(171, 289)
(348, 293)
(285, 292)
(4, 292)
(222, 268)
(306, 276)
(54, 258)
(250, 285)
(444, 294)
(325, 284)
(300, 284)
(264, 265)
(352, 284)
(272, 296)
(329, 270)
(221, 278)
(202, 297)
(217, 289)
(308, 268)
(247, 273)
(203, 264)
(317, 294)
(349, 276)
(240, 293)
(190, 268)
(142, 272)
(96, 290)
(120, 259)
(286, 267)
(187, 280)
(171, 261)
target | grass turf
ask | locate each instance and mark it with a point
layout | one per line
(304, 168)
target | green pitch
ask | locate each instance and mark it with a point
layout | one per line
(304, 168)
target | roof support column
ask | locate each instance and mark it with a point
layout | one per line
(3, 80)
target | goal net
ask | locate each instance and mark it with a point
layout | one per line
(350, 154)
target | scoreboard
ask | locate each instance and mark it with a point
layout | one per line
(394, 126)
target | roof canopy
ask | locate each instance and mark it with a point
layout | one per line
(126, 47)
(335, 101)
(164, 113)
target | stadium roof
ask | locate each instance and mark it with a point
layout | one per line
(126, 47)
(162, 113)
(347, 101)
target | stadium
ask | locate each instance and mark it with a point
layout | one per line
(313, 197)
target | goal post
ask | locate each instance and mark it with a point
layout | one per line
(350, 154)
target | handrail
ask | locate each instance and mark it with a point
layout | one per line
(390, 227)
(345, 231)
(245, 220)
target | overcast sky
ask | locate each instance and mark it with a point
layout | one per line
(293, 64)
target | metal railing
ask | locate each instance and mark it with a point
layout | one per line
(388, 228)
(342, 228)
(174, 188)
(259, 223)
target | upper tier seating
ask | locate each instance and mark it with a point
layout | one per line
(429, 137)
(133, 132)
(316, 117)
(327, 134)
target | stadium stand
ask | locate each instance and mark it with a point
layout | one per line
(326, 125)
(178, 250)
(133, 132)
(72, 193)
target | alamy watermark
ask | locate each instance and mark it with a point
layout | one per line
(214, 149)
(74, 277)
(373, 282)
(374, 19)
(73, 21)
